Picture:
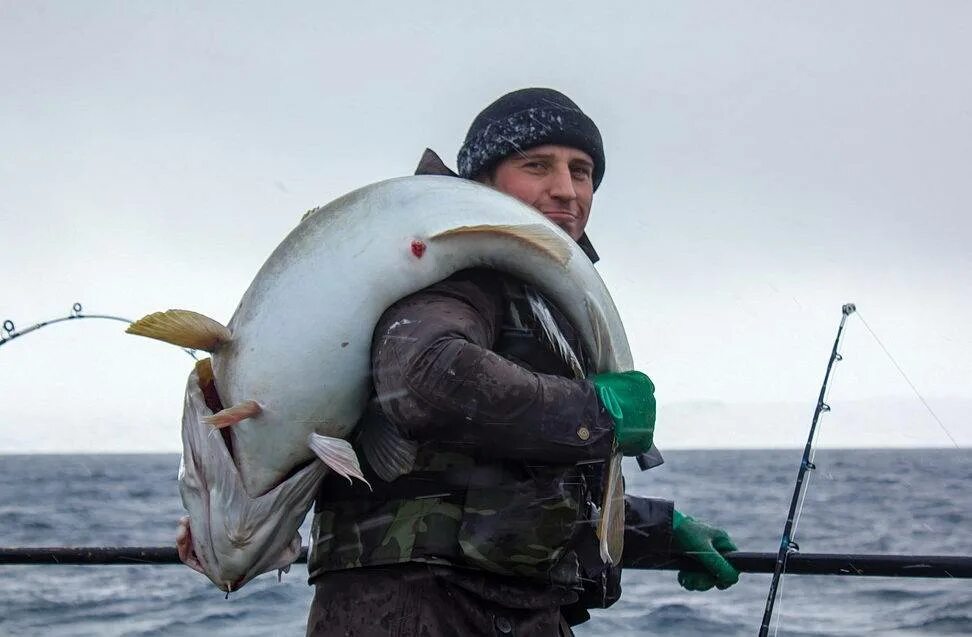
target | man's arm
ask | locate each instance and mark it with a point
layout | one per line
(437, 378)
(647, 525)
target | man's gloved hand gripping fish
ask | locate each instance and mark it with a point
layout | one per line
(290, 374)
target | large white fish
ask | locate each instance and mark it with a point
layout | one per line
(292, 366)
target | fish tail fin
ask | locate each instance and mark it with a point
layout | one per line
(338, 455)
(234, 414)
(534, 236)
(183, 328)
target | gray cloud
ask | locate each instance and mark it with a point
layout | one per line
(766, 163)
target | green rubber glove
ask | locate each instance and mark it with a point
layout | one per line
(630, 399)
(705, 544)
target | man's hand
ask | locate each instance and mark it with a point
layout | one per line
(705, 544)
(630, 399)
(188, 554)
(184, 546)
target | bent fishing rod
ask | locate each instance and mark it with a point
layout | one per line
(788, 548)
(788, 558)
(9, 331)
(846, 564)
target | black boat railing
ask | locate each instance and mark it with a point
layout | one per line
(848, 564)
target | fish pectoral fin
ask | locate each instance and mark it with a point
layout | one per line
(338, 455)
(388, 452)
(535, 236)
(184, 328)
(234, 414)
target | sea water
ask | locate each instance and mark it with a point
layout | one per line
(859, 501)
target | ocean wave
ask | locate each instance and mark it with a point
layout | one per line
(920, 507)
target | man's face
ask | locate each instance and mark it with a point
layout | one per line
(556, 180)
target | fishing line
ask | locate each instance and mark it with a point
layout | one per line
(813, 454)
(795, 545)
(802, 502)
(910, 384)
(787, 545)
(817, 434)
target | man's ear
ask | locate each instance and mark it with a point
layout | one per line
(432, 164)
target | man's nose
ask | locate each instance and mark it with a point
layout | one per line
(562, 184)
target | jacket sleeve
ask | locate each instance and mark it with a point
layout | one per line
(437, 378)
(647, 527)
(647, 536)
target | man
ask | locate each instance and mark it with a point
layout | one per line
(492, 531)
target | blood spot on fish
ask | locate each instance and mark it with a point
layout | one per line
(418, 248)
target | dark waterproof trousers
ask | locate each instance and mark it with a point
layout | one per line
(410, 600)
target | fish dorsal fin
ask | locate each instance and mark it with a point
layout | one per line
(308, 214)
(388, 452)
(184, 328)
(535, 236)
(432, 164)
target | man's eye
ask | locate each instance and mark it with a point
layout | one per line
(582, 173)
(534, 167)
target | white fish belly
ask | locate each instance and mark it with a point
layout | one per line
(302, 334)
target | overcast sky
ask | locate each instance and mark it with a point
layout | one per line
(766, 163)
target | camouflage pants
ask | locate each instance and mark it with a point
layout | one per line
(410, 600)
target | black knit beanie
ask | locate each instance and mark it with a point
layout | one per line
(524, 119)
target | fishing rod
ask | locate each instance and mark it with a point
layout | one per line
(789, 548)
(9, 332)
(847, 564)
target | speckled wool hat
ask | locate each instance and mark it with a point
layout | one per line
(526, 118)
